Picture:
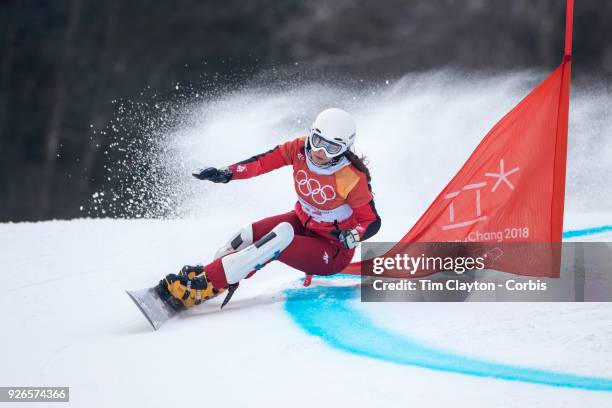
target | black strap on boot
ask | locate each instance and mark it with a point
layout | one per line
(167, 297)
(230, 292)
(188, 269)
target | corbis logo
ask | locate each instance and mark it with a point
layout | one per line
(310, 187)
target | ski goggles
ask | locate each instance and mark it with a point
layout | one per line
(317, 142)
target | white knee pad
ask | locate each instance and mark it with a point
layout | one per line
(239, 264)
(239, 240)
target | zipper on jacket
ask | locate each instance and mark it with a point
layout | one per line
(306, 223)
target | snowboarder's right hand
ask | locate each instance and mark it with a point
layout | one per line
(222, 175)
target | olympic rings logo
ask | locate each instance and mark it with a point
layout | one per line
(310, 187)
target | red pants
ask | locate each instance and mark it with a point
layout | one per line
(308, 252)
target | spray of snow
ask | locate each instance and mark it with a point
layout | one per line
(416, 132)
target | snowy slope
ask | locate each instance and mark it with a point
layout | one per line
(68, 322)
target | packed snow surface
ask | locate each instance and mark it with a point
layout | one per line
(66, 320)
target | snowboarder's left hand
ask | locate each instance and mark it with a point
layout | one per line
(348, 238)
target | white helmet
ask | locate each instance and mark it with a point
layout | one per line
(333, 131)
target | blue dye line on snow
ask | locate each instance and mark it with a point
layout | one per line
(587, 231)
(324, 311)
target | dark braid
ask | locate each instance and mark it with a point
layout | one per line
(359, 163)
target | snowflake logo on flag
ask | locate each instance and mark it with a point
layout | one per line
(501, 176)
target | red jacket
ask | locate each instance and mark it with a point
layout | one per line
(340, 200)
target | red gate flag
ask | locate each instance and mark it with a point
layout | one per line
(512, 187)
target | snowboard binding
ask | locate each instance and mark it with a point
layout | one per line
(186, 289)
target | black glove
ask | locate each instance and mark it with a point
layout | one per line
(348, 238)
(222, 175)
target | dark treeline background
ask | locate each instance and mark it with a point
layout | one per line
(64, 62)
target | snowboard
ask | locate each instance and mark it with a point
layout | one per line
(152, 306)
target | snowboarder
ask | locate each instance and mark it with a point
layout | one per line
(334, 212)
